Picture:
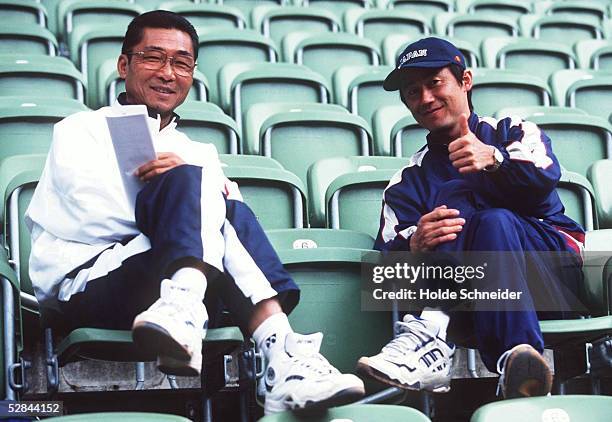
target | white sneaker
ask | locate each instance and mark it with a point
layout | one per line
(174, 327)
(523, 372)
(301, 378)
(417, 359)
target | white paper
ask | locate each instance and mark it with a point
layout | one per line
(133, 145)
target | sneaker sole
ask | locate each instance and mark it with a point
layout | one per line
(181, 368)
(148, 335)
(341, 398)
(527, 375)
(364, 368)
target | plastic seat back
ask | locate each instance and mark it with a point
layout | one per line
(325, 53)
(496, 88)
(359, 88)
(519, 54)
(600, 174)
(27, 39)
(297, 135)
(220, 47)
(46, 76)
(26, 123)
(206, 122)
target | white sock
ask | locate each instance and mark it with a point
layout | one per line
(270, 335)
(191, 279)
(440, 318)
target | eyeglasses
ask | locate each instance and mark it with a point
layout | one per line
(155, 60)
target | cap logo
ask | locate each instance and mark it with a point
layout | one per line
(458, 59)
(412, 55)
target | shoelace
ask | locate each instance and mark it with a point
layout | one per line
(501, 364)
(406, 339)
(315, 363)
(175, 307)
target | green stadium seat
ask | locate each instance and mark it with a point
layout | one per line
(51, 7)
(577, 196)
(512, 9)
(262, 186)
(244, 84)
(594, 54)
(600, 174)
(339, 7)
(26, 123)
(427, 8)
(111, 85)
(46, 76)
(19, 179)
(27, 39)
(298, 134)
(206, 122)
(72, 14)
(276, 22)
(120, 416)
(249, 161)
(396, 132)
(330, 301)
(359, 88)
(246, 6)
(220, 47)
(90, 46)
(474, 27)
(355, 412)
(394, 44)
(208, 15)
(383, 121)
(554, 28)
(325, 53)
(520, 54)
(318, 238)
(555, 408)
(407, 136)
(375, 25)
(23, 12)
(347, 192)
(497, 88)
(527, 111)
(578, 140)
(592, 10)
(585, 89)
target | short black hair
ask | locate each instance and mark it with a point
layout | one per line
(457, 72)
(158, 19)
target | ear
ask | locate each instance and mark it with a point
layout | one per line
(122, 66)
(467, 80)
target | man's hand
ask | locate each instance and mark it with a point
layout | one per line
(164, 162)
(467, 153)
(439, 226)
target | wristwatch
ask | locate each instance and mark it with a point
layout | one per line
(498, 157)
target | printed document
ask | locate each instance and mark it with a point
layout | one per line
(133, 145)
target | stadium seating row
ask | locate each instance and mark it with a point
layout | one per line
(554, 81)
(298, 134)
(350, 15)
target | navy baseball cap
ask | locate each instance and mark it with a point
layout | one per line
(425, 53)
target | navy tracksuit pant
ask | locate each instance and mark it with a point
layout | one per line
(189, 222)
(496, 229)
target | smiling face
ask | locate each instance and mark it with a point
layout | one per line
(161, 90)
(436, 99)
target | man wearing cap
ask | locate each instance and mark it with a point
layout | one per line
(480, 184)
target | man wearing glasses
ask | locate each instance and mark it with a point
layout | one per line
(190, 248)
